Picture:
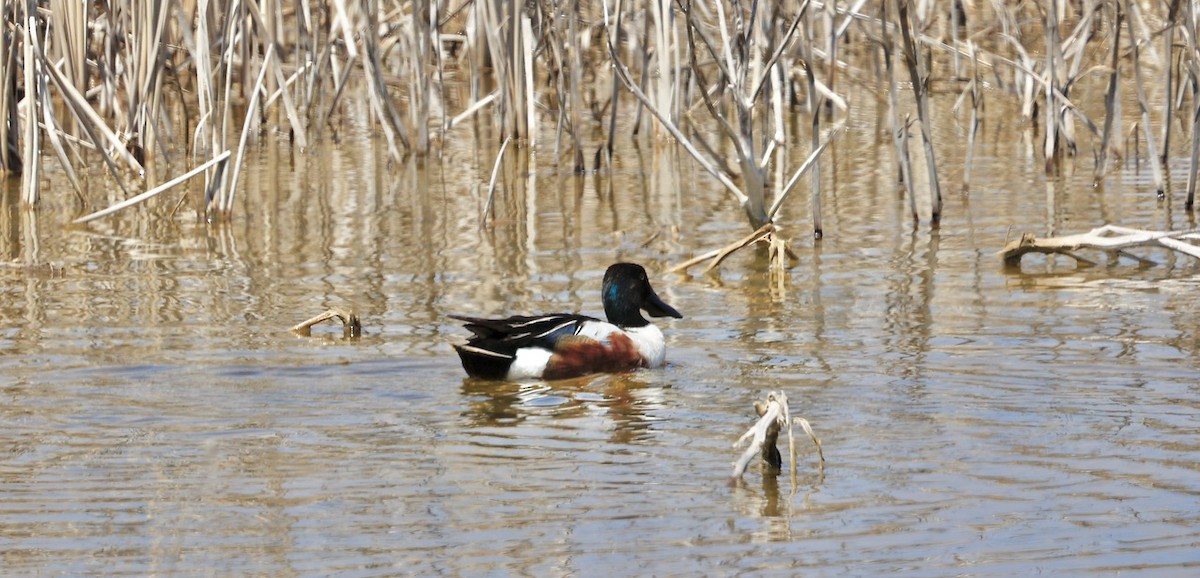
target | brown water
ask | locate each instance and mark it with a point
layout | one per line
(159, 419)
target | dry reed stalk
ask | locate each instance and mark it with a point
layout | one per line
(30, 174)
(508, 38)
(422, 25)
(1191, 60)
(382, 104)
(976, 95)
(207, 136)
(487, 209)
(10, 145)
(705, 162)
(575, 83)
(527, 75)
(10, 152)
(920, 81)
(225, 197)
(564, 52)
(1056, 75)
(52, 131)
(816, 102)
(614, 98)
(898, 129)
(1155, 162)
(810, 162)
(276, 85)
(1169, 106)
(742, 75)
(218, 161)
(69, 19)
(1194, 163)
(90, 122)
(143, 73)
(1112, 105)
(664, 72)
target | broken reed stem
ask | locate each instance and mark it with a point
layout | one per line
(10, 152)
(899, 130)
(487, 208)
(1112, 108)
(1057, 79)
(976, 102)
(29, 176)
(225, 204)
(219, 160)
(774, 415)
(351, 325)
(1151, 145)
(921, 92)
(1168, 94)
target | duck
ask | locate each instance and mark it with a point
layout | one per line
(565, 345)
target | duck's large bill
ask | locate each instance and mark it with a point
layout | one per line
(656, 307)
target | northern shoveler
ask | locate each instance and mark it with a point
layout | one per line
(566, 345)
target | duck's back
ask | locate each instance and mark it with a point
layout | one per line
(554, 347)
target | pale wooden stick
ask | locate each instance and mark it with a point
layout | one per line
(1106, 238)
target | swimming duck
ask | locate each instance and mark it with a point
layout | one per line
(563, 345)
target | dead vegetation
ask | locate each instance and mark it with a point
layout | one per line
(1110, 239)
(159, 88)
(774, 416)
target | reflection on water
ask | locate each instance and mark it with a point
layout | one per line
(159, 418)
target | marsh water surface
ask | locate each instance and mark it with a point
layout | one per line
(159, 419)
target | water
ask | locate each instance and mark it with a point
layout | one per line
(159, 419)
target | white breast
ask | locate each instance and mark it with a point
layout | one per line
(650, 344)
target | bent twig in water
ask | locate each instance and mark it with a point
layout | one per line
(774, 414)
(351, 326)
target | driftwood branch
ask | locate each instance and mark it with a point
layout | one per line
(773, 416)
(1107, 238)
(351, 326)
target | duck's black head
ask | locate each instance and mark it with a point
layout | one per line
(626, 292)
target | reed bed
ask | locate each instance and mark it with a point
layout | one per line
(149, 89)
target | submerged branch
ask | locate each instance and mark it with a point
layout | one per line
(1107, 238)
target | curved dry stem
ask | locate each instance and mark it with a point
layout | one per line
(351, 325)
(721, 254)
(219, 159)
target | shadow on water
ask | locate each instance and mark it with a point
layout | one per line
(621, 401)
